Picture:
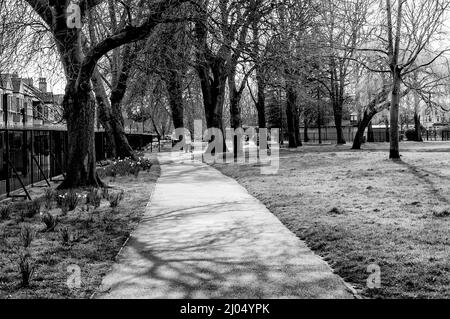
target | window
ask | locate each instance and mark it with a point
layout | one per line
(10, 103)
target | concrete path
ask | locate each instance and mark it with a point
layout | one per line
(204, 236)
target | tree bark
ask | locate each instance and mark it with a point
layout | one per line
(79, 109)
(261, 100)
(367, 118)
(123, 148)
(305, 134)
(337, 108)
(213, 74)
(174, 85)
(297, 125)
(291, 101)
(418, 128)
(394, 152)
(417, 125)
(104, 113)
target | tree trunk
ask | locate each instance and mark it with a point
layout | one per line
(104, 114)
(370, 134)
(79, 113)
(337, 108)
(418, 128)
(305, 134)
(365, 122)
(395, 104)
(319, 126)
(261, 100)
(213, 91)
(297, 126)
(235, 110)
(175, 93)
(123, 148)
(291, 101)
(387, 131)
(79, 109)
(417, 125)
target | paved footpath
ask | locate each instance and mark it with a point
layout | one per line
(204, 236)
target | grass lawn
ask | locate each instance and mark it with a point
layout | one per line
(95, 238)
(357, 208)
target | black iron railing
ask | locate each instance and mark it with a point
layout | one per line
(35, 155)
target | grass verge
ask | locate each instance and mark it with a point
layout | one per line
(358, 209)
(87, 239)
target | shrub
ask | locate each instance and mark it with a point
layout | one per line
(48, 198)
(25, 267)
(105, 193)
(94, 198)
(50, 221)
(88, 221)
(72, 200)
(64, 209)
(115, 199)
(27, 235)
(128, 166)
(22, 215)
(5, 212)
(411, 135)
(60, 199)
(64, 234)
(101, 172)
(33, 208)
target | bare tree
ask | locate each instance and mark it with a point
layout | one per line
(78, 101)
(406, 29)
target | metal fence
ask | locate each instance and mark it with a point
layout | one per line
(36, 155)
(328, 134)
